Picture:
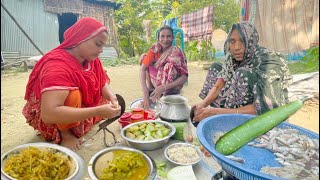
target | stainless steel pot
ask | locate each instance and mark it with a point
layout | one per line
(98, 158)
(77, 168)
(174, 108)
(151, 144)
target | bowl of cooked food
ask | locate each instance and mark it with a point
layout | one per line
(182, 154)
(121, 163)
(148, 135)
(41, 161)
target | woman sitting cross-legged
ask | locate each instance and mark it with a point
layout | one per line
(163, 69)
(252, 79)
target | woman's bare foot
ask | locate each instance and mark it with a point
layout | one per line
(70, 141)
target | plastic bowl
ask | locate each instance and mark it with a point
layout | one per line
(124, 123)
(255, 158)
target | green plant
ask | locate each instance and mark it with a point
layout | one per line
(309, 63)
(226, 12)
(207, 51)
(120, 61)
(191, 50)
(311, 60)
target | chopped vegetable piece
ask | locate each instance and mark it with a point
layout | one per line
(179, 130)
(125, 165)
(35, 163)
(147, 131)
(181, 173)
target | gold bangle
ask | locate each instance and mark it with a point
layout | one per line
(237, 111)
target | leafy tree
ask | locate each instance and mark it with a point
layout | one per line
(226, 12)
(129, 20)
(131, 14)
(129, 25)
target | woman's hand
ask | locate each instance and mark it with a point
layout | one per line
(200, 106)
(150, 88)
(202, 113)
(114, 100)
(109, 110)
(146, 100)
(157, 93)
(196, 108)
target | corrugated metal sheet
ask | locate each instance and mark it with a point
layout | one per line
(42, 27)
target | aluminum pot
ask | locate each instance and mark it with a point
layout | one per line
(174, 108)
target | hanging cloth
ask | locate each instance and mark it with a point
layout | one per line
(198, 25)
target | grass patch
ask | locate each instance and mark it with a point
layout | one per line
(301, 67)
(309, 63)
(118, 62)
(13, 71)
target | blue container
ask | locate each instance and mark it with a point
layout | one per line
(255, 158)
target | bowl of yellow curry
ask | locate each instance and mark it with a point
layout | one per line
(41, 161)
(121, 163)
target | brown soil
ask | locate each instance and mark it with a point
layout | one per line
(124, 80)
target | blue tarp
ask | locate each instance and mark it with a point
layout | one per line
(296, 55)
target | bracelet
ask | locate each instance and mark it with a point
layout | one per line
(237, 111)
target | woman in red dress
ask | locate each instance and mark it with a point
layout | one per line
(68, 90)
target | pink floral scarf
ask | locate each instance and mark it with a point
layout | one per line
(171, 64)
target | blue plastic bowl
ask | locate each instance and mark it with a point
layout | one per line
(255, 158)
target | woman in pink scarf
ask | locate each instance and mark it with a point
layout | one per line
(68, 92)
(163, 69)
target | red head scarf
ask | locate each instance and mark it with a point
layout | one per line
(81, 31)
(59, 70)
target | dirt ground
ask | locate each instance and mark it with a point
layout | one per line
(124, 80)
